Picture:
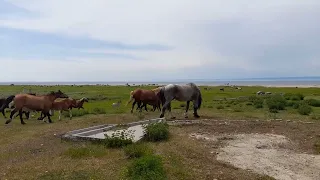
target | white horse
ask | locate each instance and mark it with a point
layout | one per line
(188, 92)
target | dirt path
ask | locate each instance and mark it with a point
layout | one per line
(278, 149)
(261, 153)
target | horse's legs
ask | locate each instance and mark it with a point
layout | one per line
(167, 105)
(48, 115)
(145, 107)
(70, 114)
(169, 109)
(27, 114)
(41, 116)
(11, 115)
(133, 104)
(4, 114)
(20, 115)
(195, 109)
(59, 115)
(187, 108)
(140, 107)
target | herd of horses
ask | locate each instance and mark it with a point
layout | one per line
(24, 103)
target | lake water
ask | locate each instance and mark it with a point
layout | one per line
(298, 81)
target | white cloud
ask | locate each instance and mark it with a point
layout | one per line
(173, 23)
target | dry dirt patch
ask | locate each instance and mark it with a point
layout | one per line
(265, 154)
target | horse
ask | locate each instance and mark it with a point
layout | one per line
(35, 103)
(62, 105)
(188, 92)
(144, 96)
(4, 102)
(79, 103)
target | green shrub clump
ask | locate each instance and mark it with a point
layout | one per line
(116, 141)
(157, 132)
(313, 102)
(146, 167)
(137, 150)
(304, 109)
(276, 103)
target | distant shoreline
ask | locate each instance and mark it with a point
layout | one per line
(263, 83)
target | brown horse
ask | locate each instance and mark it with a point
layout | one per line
(62, 105)
(35, 103)
(143, 96)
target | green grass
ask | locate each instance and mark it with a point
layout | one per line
(88, 151)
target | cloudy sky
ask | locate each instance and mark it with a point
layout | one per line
(149, 40)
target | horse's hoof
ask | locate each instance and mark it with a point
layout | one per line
(161, 116)
(196, 116)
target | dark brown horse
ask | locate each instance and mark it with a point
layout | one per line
(144, 96)
(35, 103)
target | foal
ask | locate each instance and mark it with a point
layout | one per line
(79, 103)
(62, 105)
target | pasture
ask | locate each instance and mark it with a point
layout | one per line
(35, 150)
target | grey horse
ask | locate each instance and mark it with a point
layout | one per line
(188, 92)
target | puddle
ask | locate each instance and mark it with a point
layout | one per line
(135, 132)
(261, 154)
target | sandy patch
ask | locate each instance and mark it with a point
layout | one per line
(262, 153)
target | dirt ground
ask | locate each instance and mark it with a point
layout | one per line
(279, 149)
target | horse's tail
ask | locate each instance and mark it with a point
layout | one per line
(131, 98)
(161, 96)
(8, 103)
(199, 100)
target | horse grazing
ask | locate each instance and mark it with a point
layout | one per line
(35, 103)
(79, 103)
(143, 96)
(188, 92)
(62, 105)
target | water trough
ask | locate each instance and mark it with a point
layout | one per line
(97, 133)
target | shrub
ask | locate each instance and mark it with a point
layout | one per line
(294, 97)
(276, 103)
(249, 104)
(137, 150)
(220, 107)
(313, 102)
(117, 140)
(146, 167)
(304, 109)
(157, 132)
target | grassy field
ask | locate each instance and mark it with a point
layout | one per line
(35, 151)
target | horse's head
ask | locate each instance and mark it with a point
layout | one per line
(84, 99)
(59, 94)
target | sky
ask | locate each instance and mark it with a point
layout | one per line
(152, 40)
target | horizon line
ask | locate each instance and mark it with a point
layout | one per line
(175, 80)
